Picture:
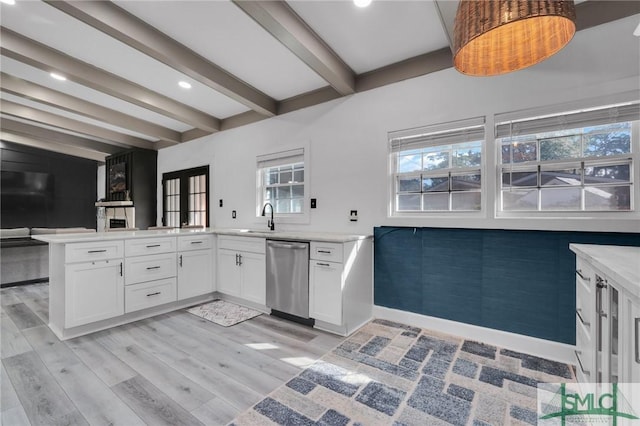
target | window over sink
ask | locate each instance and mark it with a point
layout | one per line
(282, 182)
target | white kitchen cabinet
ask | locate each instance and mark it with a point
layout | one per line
(195, 270)
(340, 284)
(607, 313)
(94, 291)
(325, 291)
(242, 268)
(194, 273)
(150, 272)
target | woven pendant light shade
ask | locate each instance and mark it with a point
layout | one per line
(493, 37)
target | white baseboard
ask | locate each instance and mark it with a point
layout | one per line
(548, 349)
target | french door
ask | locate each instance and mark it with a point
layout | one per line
(185, 199)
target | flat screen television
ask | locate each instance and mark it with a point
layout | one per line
(25, 190)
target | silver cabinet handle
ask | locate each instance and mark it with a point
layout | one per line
(120, 268)
(97, 251)
(196, 242)
(153, 294)
(579, 272)
(152, 267)
(180, 261)
(637, 338)
(239, 260)
(153, 245)
(586, 324)
(580, 363)
(324, 251)
(322, 264)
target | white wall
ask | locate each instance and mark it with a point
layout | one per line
(348, 137)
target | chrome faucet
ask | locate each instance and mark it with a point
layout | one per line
(270, 223)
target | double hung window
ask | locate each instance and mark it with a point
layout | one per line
(438, 168)
(281, 181)
(577, 161)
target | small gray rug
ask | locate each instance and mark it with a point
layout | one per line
(224, 313)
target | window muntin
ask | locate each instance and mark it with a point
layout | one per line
(436, 178)
(284, 187)
(281, 182)
(580, 169)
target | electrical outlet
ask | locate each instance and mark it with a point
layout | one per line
(233, 214)
(220, 202)
(353, 216)
(313, 203)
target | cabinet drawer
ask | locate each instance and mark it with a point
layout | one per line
(246, 244)
(585, 349)
(584, 273)
(99, 250)
(146, 295)
(145, 246)
(147, 268)
(195, 242)
(585, 304)
(331, 252)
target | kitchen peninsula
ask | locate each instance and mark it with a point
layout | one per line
(102, 280)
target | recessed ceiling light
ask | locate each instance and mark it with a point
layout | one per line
(58, 76)
(8, 1)
(362, 3)
(184, 85)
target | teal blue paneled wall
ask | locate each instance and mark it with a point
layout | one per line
(517, 281)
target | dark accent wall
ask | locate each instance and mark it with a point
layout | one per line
(66, 201)
(516, 281)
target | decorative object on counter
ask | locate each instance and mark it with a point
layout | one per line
(496, 37)
(391, 373)
(224, 313)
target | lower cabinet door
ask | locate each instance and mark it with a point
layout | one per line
(94, 292)
(147, 295)
(325, 291)
(194, 273)
(254, 277)
(228, 272)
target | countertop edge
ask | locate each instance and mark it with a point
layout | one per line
(125, 235)
(605, 261)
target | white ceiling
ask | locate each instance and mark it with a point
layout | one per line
(245, 61)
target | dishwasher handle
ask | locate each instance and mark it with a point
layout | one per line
(294, 246)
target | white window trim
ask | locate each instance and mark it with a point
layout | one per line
(436, 214)
(286, 218)
(569, 215)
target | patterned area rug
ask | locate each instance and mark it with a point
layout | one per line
(224, 313)
(393, 374)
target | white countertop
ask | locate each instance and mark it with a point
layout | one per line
(124, 235)
(621, 264)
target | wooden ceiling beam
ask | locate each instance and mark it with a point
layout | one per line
(14, 109)
(52, 146)
(47, 96)
(129, 29)
(277, 18)
(38, 55)
(44, 134)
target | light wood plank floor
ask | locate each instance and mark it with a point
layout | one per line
(167, 370)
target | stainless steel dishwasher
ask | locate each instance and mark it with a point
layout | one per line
(288, 279)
